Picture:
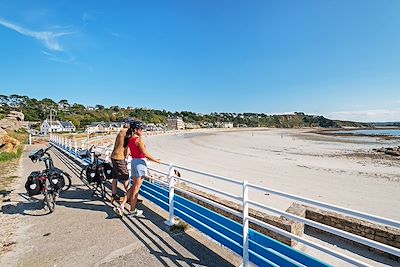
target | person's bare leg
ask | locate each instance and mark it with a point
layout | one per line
(114, 186)
(135, 191)
(113, 189)
(127, 187)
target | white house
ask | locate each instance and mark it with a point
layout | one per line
(104, 127)
(57, 127)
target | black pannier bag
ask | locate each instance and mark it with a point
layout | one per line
(57, 180)
(107, 168)
(33, 185)
(91, 175)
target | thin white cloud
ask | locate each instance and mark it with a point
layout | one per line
(48, 38)
(374, 115)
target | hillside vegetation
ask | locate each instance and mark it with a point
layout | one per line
(38, 110)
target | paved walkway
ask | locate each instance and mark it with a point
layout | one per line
(84, 231)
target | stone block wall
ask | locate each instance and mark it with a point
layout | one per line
(382, 234)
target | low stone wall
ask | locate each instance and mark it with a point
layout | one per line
(382, 234)
(280, 222)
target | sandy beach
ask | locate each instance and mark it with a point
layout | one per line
(336, 170)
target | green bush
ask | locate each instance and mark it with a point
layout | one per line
(6, 156)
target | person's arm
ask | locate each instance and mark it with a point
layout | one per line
(142, 148)
(127, 152)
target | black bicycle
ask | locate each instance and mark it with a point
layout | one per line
(97, 172)
(50, 182)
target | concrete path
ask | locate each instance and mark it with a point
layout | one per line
(84, 231)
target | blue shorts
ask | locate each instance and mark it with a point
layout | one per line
(138, 168)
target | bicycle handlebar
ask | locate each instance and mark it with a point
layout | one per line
(39, 154)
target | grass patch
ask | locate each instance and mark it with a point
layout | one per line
(7, 156)
(7, 174)
(21, 135)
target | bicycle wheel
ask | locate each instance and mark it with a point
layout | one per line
(50, 199)
(100, 187)
(67, 179)
(83, 174)
(103, 191)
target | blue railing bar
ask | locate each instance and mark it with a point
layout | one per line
(285, 257)
(354, 213)
(212, 203)
(263, 259)
(154, 196)
(214, 222)
(209, 174)
(309, 243)
(210, 228)
(212, 189)
(332, 230)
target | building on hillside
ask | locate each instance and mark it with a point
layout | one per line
(104, 127)
(57, 127)
(175, 123)
(192, 125)
(68, 126)
(225, 125)
(64, 106)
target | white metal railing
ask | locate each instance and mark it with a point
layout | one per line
(245, 201)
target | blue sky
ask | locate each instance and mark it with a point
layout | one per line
(340, 59)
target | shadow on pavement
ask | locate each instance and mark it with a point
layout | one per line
(145, 228)
(33, 207)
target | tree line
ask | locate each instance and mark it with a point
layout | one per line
(80, 116)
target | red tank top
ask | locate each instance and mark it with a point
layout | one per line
(134, 148)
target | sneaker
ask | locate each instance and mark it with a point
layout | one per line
(135, 213)
(119, 211)
(114, 198)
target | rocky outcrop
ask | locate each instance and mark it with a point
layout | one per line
(391, 151)
(13, 121)
(7, 143)
(16, 115)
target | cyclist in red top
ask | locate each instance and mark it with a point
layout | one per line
(139, 155)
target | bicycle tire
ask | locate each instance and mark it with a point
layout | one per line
(67, 179)
(49, 198)
(83, 174)
(103, 191)
(100, 189)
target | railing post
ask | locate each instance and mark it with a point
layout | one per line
(76, 147)
(245, 225)
(171, 220)
(128, 166)
(107, 159)
(70, 145)
(92, 156)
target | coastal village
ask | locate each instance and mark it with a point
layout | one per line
(199, 133)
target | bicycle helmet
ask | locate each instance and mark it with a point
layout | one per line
(135, 125)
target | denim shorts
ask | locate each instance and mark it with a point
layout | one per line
(139, 168)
